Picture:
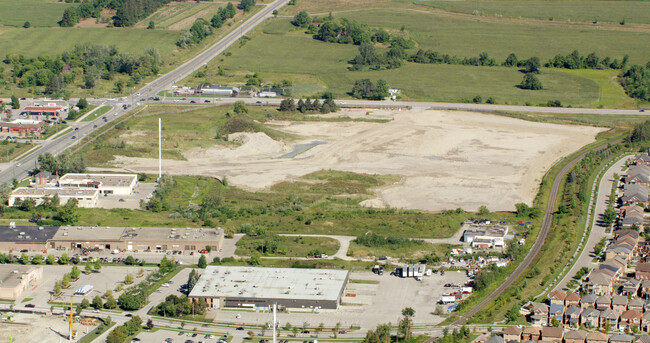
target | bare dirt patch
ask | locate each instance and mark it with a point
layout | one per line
(106, 14)
(446, 159)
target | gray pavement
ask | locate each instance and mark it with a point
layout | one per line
(598, 228)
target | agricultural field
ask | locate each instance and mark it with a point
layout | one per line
(39, 13)
(178, 16)
(592, 11)
(53, 41)
(314, 66)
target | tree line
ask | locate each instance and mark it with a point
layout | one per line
(84, 64)
(307, 106)
(636, 82)
(128, 12)
(202, 29)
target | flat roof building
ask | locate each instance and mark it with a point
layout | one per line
(85, 197)
(16, 279)
(137, 238)
(26, 237)
(257, 287)
(120, 184)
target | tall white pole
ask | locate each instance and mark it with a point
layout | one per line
(159, 149)
(275, 320)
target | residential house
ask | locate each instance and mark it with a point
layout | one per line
(531, 334)
(597, 337)
(645, 287)
(620, 338)
(637, 175)
(556, 312)
(512, 334)
(495, 339)
(571, 316)
(623, 250)
(641, 159)
(572, 299)
(642, 271)
(598, 283)
(45, 178)
(603, 302)
(635, 304)
(644, 338)
(609, 319)
(557, 297)
(631, 287)
(645, 322)
(539, 314)
(589, 300)
(630, 319)
(590, 317)
(552, 334)
(575, 336)
(611, 268)
(635, 196)
(619, 303)
(632, 217)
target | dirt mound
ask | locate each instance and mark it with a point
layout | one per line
(251, 146)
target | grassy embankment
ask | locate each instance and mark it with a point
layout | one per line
(315, 66)
(286, 246)
(9, 151)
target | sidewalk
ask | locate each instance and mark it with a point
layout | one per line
(598, 228)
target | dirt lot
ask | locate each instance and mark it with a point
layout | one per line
(447, 159)
(31, 328)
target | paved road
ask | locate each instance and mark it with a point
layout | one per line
(537, 246)
(598, 229)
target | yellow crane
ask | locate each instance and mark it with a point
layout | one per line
(71, 331)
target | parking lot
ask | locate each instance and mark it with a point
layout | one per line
(142, 192)
(179, 337)
(108, 278)
(367, 304)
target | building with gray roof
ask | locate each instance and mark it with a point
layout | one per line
(257, 287)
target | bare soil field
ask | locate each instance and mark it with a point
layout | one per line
(446, 159)
(32, 328)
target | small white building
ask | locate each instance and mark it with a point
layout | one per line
(119, 184)
(267, 94)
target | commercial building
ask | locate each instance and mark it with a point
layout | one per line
(50, 112)
(16, 279)
(484, 235)
(218, 90)
(70, 238)
(13, 237)
(138, 238)
(23, 127)
(257, 288)
(119, 184)
(85, 197)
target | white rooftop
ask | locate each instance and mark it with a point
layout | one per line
(276, 283)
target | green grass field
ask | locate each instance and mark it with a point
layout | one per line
(176, 12)
(470, 36)
(612, 11)
(39, 13)
(316, 66)
(182, 131)
(287, 246)
(52, 41)
(411, 251)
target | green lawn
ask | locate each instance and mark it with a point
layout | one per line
(286, 246)
(98, 113)
(314, 66)
(411, 251)
(613, 11)
(612, 93)
(52, 41)
(39, 13)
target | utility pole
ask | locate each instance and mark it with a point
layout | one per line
(159, 149)
(275, 319)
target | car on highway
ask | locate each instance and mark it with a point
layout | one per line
(76, 128)
(206, 101)
(258, 102)
(183, 99)
(18, 164)
(73, 137)
(192, 102)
